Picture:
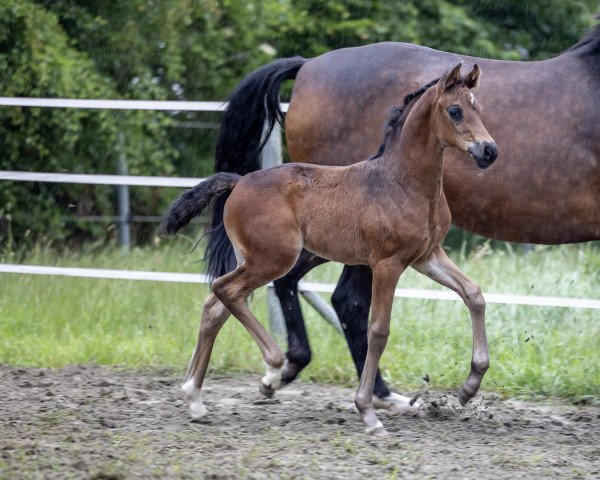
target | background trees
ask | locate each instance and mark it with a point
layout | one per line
(197, 50)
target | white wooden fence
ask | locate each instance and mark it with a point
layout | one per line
(273, 156)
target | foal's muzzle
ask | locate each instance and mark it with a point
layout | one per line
(484, 153)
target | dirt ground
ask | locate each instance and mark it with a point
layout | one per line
(94, 422)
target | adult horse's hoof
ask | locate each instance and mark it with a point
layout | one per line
(397, 404)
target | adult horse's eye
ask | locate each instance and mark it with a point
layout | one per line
(455, 113)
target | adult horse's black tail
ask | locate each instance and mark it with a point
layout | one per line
(248, 120)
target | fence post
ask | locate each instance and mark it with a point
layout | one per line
(124, 237)
(271, 156)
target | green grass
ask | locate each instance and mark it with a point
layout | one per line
(535, 351)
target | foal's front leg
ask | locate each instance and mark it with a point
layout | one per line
(352, 301)
(441, 269)
(385, 277)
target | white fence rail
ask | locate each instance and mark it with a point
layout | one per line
(91, 179)
(271, 156)
(164, 105)
(273, 150)
(498, 298)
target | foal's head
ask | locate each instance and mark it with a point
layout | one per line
(456, 117)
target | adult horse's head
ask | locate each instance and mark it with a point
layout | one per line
(459, 122)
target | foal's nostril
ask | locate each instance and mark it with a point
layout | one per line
(484, 153)
(490, 152)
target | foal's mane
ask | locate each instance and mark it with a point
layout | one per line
(398, 116)
(590, 44)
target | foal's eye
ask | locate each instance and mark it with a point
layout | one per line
(455, 113)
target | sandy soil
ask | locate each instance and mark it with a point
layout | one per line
(94, 422)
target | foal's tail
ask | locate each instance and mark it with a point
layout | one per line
(191, 202)
(248, 120)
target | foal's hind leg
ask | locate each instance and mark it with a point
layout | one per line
(441, 269)
(286, 288)
(233, 290)
(214, 315)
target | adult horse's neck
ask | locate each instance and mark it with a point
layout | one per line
(414, 156)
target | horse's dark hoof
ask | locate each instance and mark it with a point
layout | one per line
(464, 396)
(267, 391)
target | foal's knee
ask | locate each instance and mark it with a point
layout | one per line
(378, 335)
(474, 299)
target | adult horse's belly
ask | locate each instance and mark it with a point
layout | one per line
(545, 185)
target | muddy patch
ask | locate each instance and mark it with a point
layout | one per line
(94, 422)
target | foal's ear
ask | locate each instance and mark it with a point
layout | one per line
(472, 78)
(451, 78)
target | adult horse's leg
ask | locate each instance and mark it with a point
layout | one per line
(385, 277)
(286, 288)
(352, 301)
(214, 315)
(441, 269)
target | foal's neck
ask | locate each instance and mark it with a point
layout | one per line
(414, 156)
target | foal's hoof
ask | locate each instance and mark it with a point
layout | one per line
(267, 391)
(192, 395)
(197, 410)
(377, 430)
(464, 396)
(271, 381)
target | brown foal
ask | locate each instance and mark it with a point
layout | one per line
(389, 212)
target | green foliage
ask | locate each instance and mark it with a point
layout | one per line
(197, 50)
(38, 59)
(534, 29)
(500, 29)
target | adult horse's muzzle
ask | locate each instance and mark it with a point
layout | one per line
(484, 153)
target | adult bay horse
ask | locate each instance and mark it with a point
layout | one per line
(387, 213)
(546, 120)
